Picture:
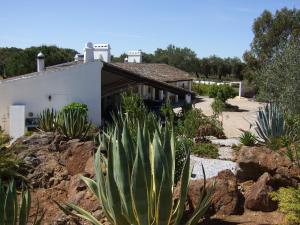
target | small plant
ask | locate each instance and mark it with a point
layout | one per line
(47, 120)
(73, 123)
(206, 150)
(289, 203)
(139, 183)
(247, 138)
(218, 106)
(133, 105)
(11, 211)
(77, 107)
(167, 111)
(4, 138)
(270, 123)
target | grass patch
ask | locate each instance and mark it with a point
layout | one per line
(206, 150)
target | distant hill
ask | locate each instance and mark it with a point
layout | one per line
(16, 61)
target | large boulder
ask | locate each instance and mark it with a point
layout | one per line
(254, 161)
(257, 197)
(225, 199)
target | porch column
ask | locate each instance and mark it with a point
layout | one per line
(176, 98)
(140, 89)
(144, 91)
(167, 94)
(161, 95)
(240, 89)
(188, 98)
(153, 93)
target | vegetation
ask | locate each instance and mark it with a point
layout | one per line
(71, 121)
(217, 106)
(138, 188)
(201, 89)
(4, 138)
(270, 123)
(14, 61)
(196, 124)
(248, 138)
(12, 212)
(279, 80)
(289, 203)
(222, 92)
(270, 31)
(206, 150)
(47, 120)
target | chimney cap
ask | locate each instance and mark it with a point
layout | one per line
(89, 45)
(40, 55)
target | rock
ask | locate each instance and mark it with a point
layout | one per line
(55, 144)
(76, 155)
(254, 161)
(89, 167)
(225, 198)
(32, 160)
(257, 198)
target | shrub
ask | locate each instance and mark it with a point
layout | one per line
(217, 106)
(206, 150)
(278, 81)
(201, 89)
(4, 138)
(247, 138)
(138, 186)
(289, 203)
(133, 105)
(76, 106)
(270, 123)
(47, 120)
(11, 211)
(222, 92)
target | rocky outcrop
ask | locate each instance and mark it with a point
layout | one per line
(57, 165)
(255, 161)
(225, 198)
(258, 198)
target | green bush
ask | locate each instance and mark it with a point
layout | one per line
(206, 150)
(139, 183)
(247, 138)
(11, 211)
(133, 105)
(218, 106)
(201, 89)
(4, 138)
(289, 203)
(82, 108)
(222, 92)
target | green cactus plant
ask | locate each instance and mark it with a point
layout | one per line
(270, 122)
(47, 119)
(12, 213)
(139, 184)
(73, 123)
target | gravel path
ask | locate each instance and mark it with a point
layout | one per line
(211, 166)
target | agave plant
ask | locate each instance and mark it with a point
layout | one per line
(248, 138)
(73, 123)
(47, 120)
(12, 213)
(270, 122)
(139, 183)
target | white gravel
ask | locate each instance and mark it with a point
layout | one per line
(211, 166)
(226, 142)
(226, 153)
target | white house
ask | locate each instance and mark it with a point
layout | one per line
(91, 79)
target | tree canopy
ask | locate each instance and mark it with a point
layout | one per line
(270, 30)
(14, 61)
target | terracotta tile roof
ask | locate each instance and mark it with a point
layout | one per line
(156, 71)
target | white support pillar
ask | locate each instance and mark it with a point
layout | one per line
(190, 85)
(145, 91)
(153, 93)
(168, 94)
(140, 89)
(240, 89)
(176, 98)
(188, 98)
(161, 95)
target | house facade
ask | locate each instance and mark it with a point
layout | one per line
(90, 79)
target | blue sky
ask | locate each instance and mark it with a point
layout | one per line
(221, 27)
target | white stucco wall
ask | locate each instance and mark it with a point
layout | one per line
(79, 83)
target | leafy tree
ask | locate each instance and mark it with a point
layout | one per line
(279, 79)
(269, 31)
(20, 61)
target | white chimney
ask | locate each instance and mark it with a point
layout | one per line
(89, 52)
(40, 61)
(135, 56)
(102, 51)
(78, 57)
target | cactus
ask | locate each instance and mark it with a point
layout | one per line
(12, 213)
(270, 122)
(73, 123)
(47, 120)
(139, 183)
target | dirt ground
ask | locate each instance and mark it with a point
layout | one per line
(233, 121)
